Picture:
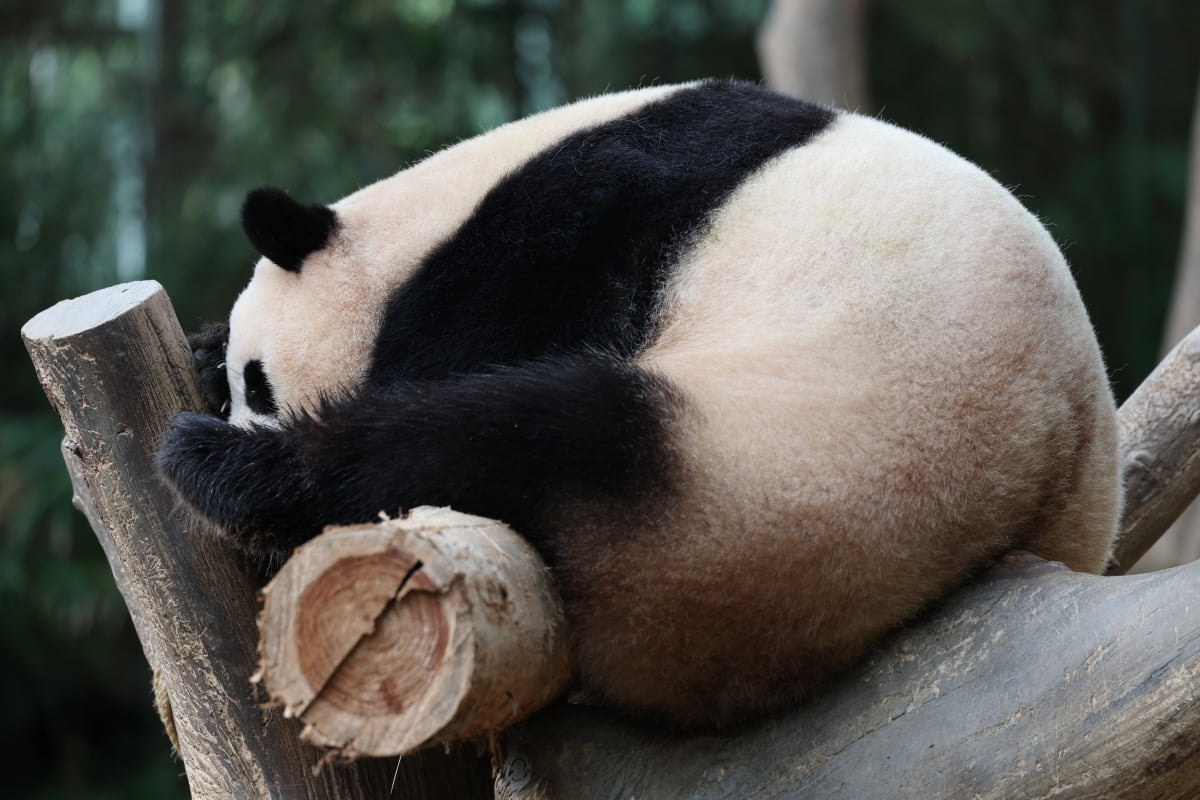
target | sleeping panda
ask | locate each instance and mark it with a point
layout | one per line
(760, 380)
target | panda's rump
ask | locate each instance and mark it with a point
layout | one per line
(880, 394)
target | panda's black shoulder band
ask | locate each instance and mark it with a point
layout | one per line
(283, 230)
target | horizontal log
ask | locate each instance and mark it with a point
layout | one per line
(388, 638)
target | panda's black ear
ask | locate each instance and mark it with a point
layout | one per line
(285, 231)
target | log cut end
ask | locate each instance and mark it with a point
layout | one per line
(71, 317)
(390, 637)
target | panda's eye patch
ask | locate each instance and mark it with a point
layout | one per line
(259, 396)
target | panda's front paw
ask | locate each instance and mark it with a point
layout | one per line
(248, 482)
(208, 354)
(197, 456)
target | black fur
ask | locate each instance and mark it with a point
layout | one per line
(512, 444)
(284, 231)
(208, 354)
(573, 249)
(260, 396)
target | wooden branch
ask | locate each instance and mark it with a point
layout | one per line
(1033, 682)
(116, 367)
(391, 637)
(1160, 451)
(1181, 543)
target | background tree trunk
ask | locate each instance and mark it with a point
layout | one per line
(1181, 543)
(814, 50)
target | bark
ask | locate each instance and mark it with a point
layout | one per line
(388, 638)
(116, 367)
(814, 50)
(1181, 543)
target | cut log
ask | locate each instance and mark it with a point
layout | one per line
(117, 368)
(388, 638)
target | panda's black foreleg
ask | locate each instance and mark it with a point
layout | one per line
(208, 354)
(511, 444)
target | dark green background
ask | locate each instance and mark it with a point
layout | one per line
(130, 131)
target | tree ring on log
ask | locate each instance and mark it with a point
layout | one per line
(385, 638)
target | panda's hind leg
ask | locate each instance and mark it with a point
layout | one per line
(1082, 539)
(1078, 525)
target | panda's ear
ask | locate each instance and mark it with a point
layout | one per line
(285, 231)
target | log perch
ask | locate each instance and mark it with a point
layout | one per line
(1033, 682)
(388, 638)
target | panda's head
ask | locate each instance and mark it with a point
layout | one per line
(303, 328)
(307, 325)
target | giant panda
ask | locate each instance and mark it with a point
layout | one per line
(760, 380)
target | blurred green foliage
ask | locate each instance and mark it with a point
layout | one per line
(132, 128)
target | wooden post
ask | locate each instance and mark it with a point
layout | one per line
(117, 368)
